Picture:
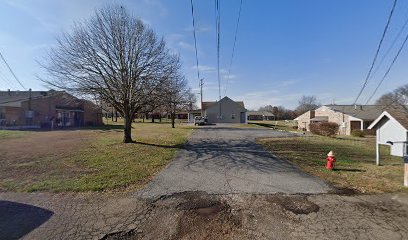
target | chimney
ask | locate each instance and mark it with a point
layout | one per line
(360, 107)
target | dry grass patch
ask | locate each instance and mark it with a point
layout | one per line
(86, 159)
(288, 125)
(355, 161)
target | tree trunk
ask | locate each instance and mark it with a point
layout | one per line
(152, 118)
(173, 117)
(116, 116)
(127, 138)
(143, 117)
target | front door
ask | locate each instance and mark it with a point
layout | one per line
(243, 117)
(355, 125)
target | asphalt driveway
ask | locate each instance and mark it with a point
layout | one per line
(223, 160)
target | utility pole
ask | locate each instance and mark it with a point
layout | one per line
(201, 95)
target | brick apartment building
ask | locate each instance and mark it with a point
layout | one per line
(46, 109)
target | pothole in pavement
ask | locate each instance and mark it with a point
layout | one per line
(206, 215)
(198, 215)
(344, 191)
(294, 204)
(203, 205)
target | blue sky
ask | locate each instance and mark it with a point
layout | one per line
(285, 48)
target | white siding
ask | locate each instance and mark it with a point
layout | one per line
(391, 130)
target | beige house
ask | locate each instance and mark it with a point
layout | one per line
(349, 117)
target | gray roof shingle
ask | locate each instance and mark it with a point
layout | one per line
(209, 104)
(400, 113)
(364, 112)
(14, 98)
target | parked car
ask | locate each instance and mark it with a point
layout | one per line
(200, 120)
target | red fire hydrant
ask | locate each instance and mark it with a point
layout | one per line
(330, 160)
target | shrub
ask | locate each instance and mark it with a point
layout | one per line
(357, 133)
(324, 128)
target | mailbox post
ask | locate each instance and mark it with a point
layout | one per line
(406, 170)
(404, 158)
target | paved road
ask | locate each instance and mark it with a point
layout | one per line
(244, 216)
(222, 160)
(69, 215)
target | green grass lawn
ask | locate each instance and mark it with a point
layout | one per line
(355, 165)
(87, 159)
(7, 134)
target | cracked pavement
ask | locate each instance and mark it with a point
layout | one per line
(74, 215)
(198, 215)
(222, 185)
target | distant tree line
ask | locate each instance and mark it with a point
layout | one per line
(305, 103)
(280, 112)
(398, 97)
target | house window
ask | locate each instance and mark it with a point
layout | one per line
(233, 116)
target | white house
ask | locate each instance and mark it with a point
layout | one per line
(392, 129)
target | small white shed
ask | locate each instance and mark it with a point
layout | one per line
(392, 126)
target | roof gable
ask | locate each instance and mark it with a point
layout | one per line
(304, 115)
(399, 115)
(207, 105)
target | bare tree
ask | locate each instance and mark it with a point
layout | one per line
(307, 103)
(387, 99)
(113, 56)
(280, 112)
(267, 108)
(190, 100)
(177, 96)
(398, 97)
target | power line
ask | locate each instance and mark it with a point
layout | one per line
(389, 69)
(390, 48)
(218, 27)
(195, 40)
(200, 81)
(6, 80)
(9, 68)
(233, 47)
(377, 52)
